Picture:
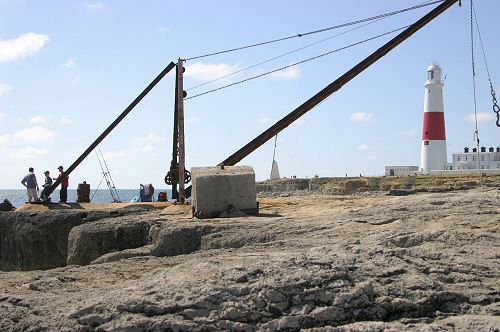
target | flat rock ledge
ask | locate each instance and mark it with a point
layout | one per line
(423, 262)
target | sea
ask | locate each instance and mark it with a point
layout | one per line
(19, 197)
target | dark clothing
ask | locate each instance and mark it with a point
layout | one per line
(48, 181)
(63, 194)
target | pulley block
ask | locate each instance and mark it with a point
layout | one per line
(173, 176)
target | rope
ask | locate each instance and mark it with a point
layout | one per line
(427, 3)
(275, 141)
(476, 133)
(296, 63)
(481, 42)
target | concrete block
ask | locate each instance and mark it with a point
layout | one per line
(223, 192)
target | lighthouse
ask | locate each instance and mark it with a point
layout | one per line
(433, 155)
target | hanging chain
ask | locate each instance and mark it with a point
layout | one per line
(496, 108)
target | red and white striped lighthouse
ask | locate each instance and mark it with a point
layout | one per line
(434, 136)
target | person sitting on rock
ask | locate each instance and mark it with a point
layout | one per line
(48, 179)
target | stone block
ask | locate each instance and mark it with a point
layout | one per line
(226, 192)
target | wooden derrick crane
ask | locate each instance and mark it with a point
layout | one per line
(178, 146)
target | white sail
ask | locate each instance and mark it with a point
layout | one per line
(275, 173)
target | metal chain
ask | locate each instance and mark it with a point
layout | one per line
(496, 108)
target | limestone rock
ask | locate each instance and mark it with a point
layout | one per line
(39, 240)
(178, 240)
(433, 268)
(89, 241)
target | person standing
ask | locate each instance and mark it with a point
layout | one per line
(63, 192)
(29, 181)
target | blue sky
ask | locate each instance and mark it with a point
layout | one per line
(68, 68)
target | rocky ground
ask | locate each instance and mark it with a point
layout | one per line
(422, 262)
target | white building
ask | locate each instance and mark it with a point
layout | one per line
(401, 170)
(468, 160)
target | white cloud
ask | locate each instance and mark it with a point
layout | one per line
(93, 6)
(22, 46)
(362, 117)
(5, 89)
(409, 133)
(264, 119)
(147, 148)
(193, 119)
(75, 80)
(289, 73)
(65, 120)
(4, 139)
(207, 72)
(481, 117)
(2, 116)
(70, 63)
(114, 155)
(152, 137)
(39, 119)
(148, 143)
(34, 134)
(363, 147)
(27, 152)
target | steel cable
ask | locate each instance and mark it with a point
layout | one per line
(425, 4)
(280, 56)
(297, 63)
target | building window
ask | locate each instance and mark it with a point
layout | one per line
(473, 158)
(465, 158)
(482, 158)
(426, 142)
(458, 158)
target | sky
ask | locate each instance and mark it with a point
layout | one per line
(68, 68)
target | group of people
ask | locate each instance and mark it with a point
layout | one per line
(31, 184)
